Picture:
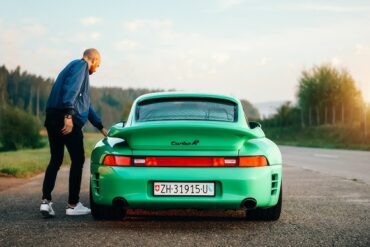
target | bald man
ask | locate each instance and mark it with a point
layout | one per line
(67, 110)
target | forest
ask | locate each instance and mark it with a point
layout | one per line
(23, 98)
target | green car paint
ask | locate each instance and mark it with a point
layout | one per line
(186, 138)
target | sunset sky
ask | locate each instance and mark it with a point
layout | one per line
(250, 49)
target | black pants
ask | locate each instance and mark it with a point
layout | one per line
(74, 143)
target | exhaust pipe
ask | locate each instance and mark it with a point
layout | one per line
(249, 203)
(120, 202)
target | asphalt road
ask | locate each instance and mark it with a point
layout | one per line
(320, 208)
(348, 164)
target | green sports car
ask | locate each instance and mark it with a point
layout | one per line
(186, 150)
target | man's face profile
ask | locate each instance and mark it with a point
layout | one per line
(95, 63)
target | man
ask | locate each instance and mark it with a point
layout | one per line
(67, 110)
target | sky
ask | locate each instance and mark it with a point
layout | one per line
(251, 49)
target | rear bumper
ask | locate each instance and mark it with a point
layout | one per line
(232, 186)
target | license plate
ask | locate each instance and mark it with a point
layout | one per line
(183, 189)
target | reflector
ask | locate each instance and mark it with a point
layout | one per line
(112, 160)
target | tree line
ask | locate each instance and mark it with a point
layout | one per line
(326, 96)
(23, 98)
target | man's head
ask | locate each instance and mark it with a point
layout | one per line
(92, 57)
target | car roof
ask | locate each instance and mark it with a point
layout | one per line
(185, 95)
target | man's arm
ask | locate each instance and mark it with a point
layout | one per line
(96, 121)
(72, 86)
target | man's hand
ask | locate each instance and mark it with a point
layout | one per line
(104, 132)
(68, 126)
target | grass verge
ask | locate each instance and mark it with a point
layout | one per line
(29, 162)
(343, 137)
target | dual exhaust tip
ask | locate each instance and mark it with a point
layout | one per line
(120, 202)
(249, 203)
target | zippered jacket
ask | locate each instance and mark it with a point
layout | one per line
(70, 95)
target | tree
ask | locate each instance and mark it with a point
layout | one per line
(3, 84)
(18, 129)
(327, 87)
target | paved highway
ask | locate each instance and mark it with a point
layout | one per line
(348, 164)
(322, 206)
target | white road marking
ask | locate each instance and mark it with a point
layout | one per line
(329, 156)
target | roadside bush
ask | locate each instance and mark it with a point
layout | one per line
(19, 129)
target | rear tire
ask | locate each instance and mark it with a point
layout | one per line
(267, 214)
(103, 212)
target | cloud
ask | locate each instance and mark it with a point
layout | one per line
(125, 45)
(323, 8)
(220, 57)
(361, 49)
(263, 61)
(136, 25)
(95, 35)
(229, 3)
(15, 41)
(224, 5)
(35, 29)
(335, 61)
(79, 37)
(90, 21)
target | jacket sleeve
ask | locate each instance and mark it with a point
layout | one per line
(94, 118)
(72, 86)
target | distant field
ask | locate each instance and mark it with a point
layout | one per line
(29, 162)
(343, 137)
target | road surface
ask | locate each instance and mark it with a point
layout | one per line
(348, 164)
(321, 207)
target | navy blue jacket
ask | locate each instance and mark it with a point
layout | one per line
(70, 95)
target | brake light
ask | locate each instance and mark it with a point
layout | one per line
(186, 161)
(246, 161)
(252, 161)
(113, 160)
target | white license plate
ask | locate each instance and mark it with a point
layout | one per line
(183, 189)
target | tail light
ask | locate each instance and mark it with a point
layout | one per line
(252, 161)
(245, 161)
(186, 161)
(113, 160)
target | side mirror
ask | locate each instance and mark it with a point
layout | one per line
(253, 125)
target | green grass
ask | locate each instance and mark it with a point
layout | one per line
(29, 162)
(343, 137)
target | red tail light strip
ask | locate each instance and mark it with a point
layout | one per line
(186, 161)
(246, 161)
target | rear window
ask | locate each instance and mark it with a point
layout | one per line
(186, 109)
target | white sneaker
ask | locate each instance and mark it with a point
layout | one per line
(46, 209)
(79, 209)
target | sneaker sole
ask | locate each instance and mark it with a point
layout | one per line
(46, 214)
(77, 214)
